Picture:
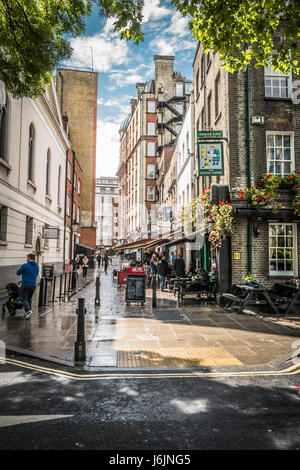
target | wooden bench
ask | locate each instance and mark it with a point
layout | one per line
(196, 290)
(232, 299)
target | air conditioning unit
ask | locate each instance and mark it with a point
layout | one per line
(258, 120)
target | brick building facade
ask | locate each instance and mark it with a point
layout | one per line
(72, 206)
(77, 96)
(260, 125)
(147, 142)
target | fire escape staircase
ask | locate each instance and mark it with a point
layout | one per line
(178, 117)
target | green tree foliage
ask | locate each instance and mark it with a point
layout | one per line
(242, 30)
(32, 40)
(34, 33)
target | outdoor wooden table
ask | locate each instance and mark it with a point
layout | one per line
(250, 290)
(295, 295)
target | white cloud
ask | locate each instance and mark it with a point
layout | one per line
(153, 10)
(171, 45)
(179, 25)
(104, 50)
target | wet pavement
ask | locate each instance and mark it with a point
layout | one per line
(120, 336)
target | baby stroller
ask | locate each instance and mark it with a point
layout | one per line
(14, 302)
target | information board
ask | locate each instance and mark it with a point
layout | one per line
(48, 271)
(50, 233)
(135, 288)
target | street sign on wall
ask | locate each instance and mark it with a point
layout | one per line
(50, 233)
(209, 134)
(210, 159)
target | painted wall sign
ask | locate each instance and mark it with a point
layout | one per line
(210, 159)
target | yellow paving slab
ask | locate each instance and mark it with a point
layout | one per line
(180, 357)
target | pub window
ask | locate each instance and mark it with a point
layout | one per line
(282, 249)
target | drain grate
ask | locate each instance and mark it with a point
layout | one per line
(169, 315)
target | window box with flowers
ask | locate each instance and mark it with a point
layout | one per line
(265, 193)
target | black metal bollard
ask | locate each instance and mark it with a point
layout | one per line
(60, 286)
(41, 292)
(74, 277)
(97, 298)
(65, 284)
(154, 291)
(53, 287)
(45, 291)
(80, 347)
(69, 285)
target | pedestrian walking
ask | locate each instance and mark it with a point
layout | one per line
(29, 272)
(153, 267)
(179, 266)
(162, 270)
(105, 259)
(78, 264)
(85, 264)
(98, 260)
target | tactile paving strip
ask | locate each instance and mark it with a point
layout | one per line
(176, 357)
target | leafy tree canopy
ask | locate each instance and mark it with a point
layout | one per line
(242, 30)
(33, 33)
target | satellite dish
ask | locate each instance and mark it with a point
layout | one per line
(2, 94)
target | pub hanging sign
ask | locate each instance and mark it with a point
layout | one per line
(210, 153)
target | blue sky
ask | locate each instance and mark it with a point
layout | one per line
(121, 64)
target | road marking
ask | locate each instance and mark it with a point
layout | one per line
(292, 370)
(14, 420)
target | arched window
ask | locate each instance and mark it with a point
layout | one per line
(58, 185)
(31, 153)
(4, 129)
(48, 172)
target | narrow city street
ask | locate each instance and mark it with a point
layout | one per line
(166, 378)
(44, 411)
(197, 333)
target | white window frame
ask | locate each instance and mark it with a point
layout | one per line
(152, 165)
(68, 205)
(179, 89)
(293, 249)
(79, 186)
(292, 152)
(270, 74)
(151, 106)
(151, 145)
(151, 194)
(150, 128)
(69, 171)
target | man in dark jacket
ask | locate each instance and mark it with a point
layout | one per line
(162, 270)
(29, 272)
(179, 266)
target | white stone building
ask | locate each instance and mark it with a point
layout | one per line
(32, 182)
